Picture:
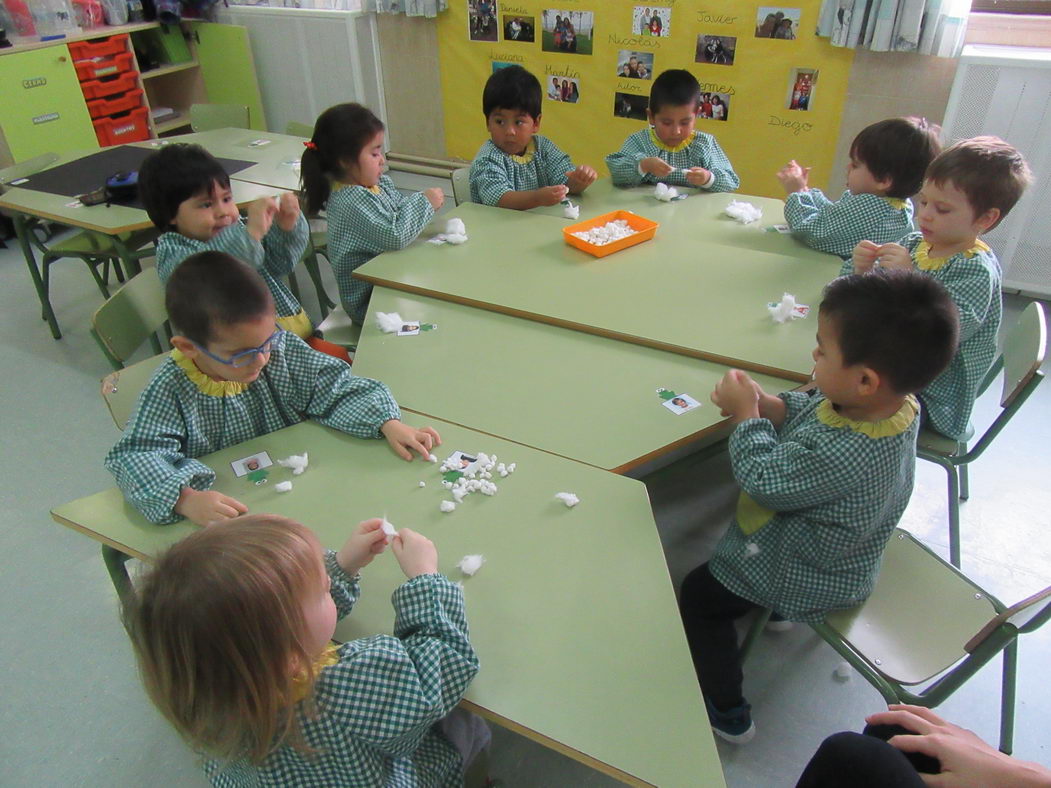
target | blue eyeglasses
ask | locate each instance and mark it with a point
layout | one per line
(242, 358)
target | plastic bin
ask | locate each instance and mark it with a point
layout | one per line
(132, 127)
(102, 47)
(98, 88)
(644, 228)
(104, 67)
(102, 107)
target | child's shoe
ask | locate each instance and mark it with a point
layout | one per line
(735, 725)
(778, 623)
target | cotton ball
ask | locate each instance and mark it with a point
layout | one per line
(455, 227)
(473, 485)
(456, 239)
(843, 671)
(447, 506)
(423, 484)
(470, 564)
(389, 322)
(432, 458)
(569, 499)
(493, 458)
(501, 468)
(571, 211)
(388, 528)
(459, 493)
(511, 467)
(483, 458)
(297, 462)
(283, 487)
(751, 549)
(780, 312)
(744, 212)
(487, 475)
(446, 484)
(665, 193)
(503, 474)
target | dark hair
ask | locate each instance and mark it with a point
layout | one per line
(674, 88)
(898, 149)
(340, 134)
(173, 175)
(991, 172)
(901, 323)
(213, 287)
(512, 88)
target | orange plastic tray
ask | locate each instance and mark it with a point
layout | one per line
(644, 228)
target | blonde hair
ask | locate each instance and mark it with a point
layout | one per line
(218, 631)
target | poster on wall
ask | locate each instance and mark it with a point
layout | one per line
(776, 22)
(651, 21)
(481, 20)
(519, 28)
(564, 89)
(717, 50)
(630, 105)
(715, 106)
(568, 31)
(801, 84)
(634, 65)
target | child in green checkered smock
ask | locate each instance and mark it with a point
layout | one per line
(342, 171)
(887, 162)
(516, 167)
(235, 375)
(232, 630)
(967, 191)
(187, 193)
(825, 475)
(671, 150)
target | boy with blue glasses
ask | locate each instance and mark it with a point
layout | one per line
(231, 378)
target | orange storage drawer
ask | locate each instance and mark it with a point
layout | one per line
(133, 127)
(97, 88)
(111, 106)
(106, 47)
(104, 66)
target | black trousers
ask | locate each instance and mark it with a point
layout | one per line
(866, 761)
(708, 610)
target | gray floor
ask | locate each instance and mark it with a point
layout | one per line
(73, 713)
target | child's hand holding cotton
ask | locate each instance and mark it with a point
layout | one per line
(366, 542)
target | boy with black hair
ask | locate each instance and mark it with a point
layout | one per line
(967, 191)
(887, 162)
(518, 168)
(825, 474)
(234, 375)
(671, 150)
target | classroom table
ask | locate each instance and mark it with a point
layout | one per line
(699, 288)
(573, 613)
(581, 396)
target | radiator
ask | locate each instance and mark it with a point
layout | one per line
(1006, 91)
(309, 59)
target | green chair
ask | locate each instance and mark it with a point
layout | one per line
(205, 117)
(318, 244)
(130, 317)
(1024, 349)
(926, 623)
(297, 129)
(461, 185)
(340, 329)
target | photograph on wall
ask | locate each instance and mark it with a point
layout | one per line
(651, 21)
(717, 50)
(775, 22)
(519, 28)
(567, 31)
(801, 83)
(629, 105)
(634, 65)
(481, 20)
(715, 106)
(564, 89)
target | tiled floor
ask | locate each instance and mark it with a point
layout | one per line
(73, 712)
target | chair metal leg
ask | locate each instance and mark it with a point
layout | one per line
(754, 632)
(1007, 698)
(965, 488)
(128, 258)
(293, 285)
(116, 565)
(22, 231)
(954, 515)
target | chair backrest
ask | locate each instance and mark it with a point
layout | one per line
(461, 185)
(1024, 349)
(204, 117)
(1028, 612)
(297, 129)
(130, 316)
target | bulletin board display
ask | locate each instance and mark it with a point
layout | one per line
(771, 90)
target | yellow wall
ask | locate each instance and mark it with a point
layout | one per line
(760, 135)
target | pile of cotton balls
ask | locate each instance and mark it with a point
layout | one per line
(606, 233)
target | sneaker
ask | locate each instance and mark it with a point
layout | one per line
(735, 725)
(778, 623)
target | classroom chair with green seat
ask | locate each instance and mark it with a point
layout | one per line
(927, 623)
(205, 117)
(461, 179)
(1025, 347)
(130, 317)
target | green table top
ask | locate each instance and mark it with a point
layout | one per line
(574, 394)
(573, 614)
(699, 288)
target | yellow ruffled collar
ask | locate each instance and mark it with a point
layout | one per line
(884, 428)
(300, 686)
(526, 157)
(339, 185)
(896, 203)
(672, 149)
(927, 263)
(204, 384)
